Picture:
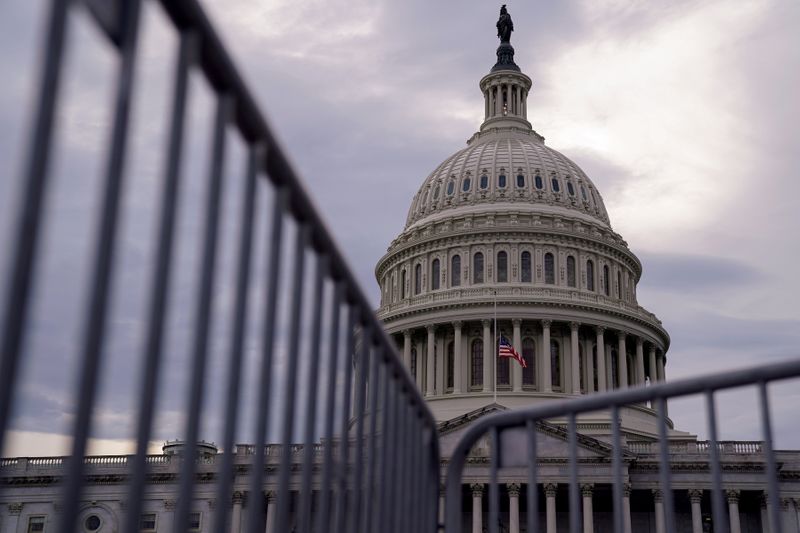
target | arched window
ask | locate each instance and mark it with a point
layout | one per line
(484, 181)
(529, 354)
(619, 284)
(403, 284)
(417, 279)
(589, 275)
(477, 268)
(556, 184)
(549, 268)
(503, 370)
(502, 267)
(450, 188)
(466, 185)
(570, 188)
(583, 193)
(606, 281)
(450, 365)
(538, 182)
(413, 368)
(435, 270)
(476, 376)
(526, 274)
(555, 364)
(455, 271)
(520, 181)
(501, 181)
(571, 280)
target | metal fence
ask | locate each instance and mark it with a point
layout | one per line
(521, 425)
(379, 469)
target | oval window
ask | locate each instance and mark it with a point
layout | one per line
(467, 183)
(556, 185)
(538, 181)
(484, 181)
(501, 181)
(520, 181)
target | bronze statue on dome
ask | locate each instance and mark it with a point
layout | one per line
(504, 25)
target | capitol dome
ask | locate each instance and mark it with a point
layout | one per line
(509, 239)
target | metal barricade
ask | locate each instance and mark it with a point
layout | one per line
(378, 470)
(521, 426)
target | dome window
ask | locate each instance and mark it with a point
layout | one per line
(556, 184)
(525, 267)
(451, 186)
(477, 268)
(403, 284)
(571, 271)
(529, 354)
(501, 181)
(435, 272)
(583, 193)
(417, 279)
(549, 269)
(484, 181)
(538, 182)
(466, 185)
(476, 367)
(520, 181)
(455, 271)
(590, 275)
(606, 281)
(570, 188)
(436, 193)
(502, 267)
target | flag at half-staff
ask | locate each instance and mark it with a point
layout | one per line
(506, 350)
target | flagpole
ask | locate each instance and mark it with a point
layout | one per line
(496, 355)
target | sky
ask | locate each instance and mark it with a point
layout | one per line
(684, 114)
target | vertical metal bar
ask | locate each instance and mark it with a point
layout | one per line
(405, 465)
(359, 413)
(417, 472)
(312, 383)
(34, 180)
(574, 489)
(158, 294)
(372, 396)
(494, 490)
(769, 454)
(717, 499)
(664, 467)
(323, 516)
(96, 315)
(344, 458)
(533, 491)
(202, 322)
(432, 480)
(616, 468)
(255, 513)
(225, 473)
(284, 472)
(385, 459)
(389, 492)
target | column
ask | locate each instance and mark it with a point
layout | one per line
(588, 513)
(442, 490)
(659, 505)
(575, 356)
(513, 507)
(271, 510)
(457, 357)
(488, 359)
(407, 348)
(550, 495)
(430, 379)
(589, 362)
(788, 515)
(765, 520)
(696, 497)
(601, 360)
(477, 507)
(626, 508)
(733, 510)
(639, 361)
(547, 374)
(236, 513)
(622, 361)
(660, 366)
(652, 361)
(516, 369)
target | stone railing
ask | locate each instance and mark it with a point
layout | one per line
(725, 447)
(274, 450)
(24, 464)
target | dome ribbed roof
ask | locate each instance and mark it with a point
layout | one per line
(472, 178)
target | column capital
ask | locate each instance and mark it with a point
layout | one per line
(516, 322)
(486, 323)
(732, 495)
(407, 333)
(621, 334)
(15, 508)
(457, 324)
(626, 490)
(653, 349)
(574, 325)
(600, 329)
(658, 496)
(477, 489)
(513, 489)
(546, 323)
(639, 342)
(550, 489)
(695, 495)
(271, 496)
(431, 328)
(587, 489)
(236, 497)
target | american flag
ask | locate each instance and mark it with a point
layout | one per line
(506, 350)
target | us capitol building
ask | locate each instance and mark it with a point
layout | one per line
(505, 227)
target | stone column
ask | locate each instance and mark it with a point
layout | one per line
(696, 497)
(430, 379)
(622, 361)
(236, 513)
(652, 373)
(271, 510)
(407, 348)
(488, 360)
(547, 374)
(639, 361)
(733, 510)
(658, 500)
(442, 490)
(575, 356)
(601, 360)
(477, 507)
(765, 519)
(550, 490)
(457, 357)
(513, 507)
(660, 366)
(626, 508)
(516, 369)
(588, 512)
